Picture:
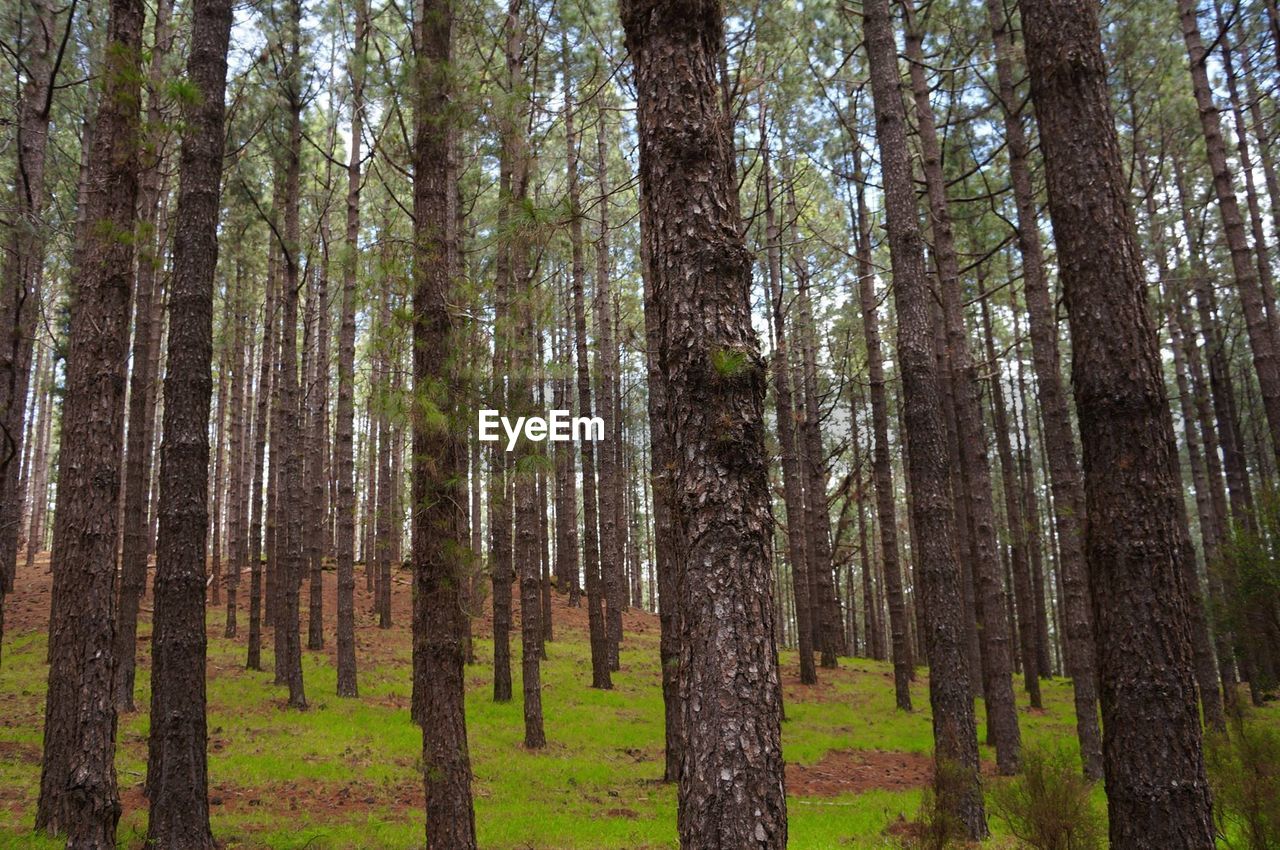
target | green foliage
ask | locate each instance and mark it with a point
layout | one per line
(728, 363)
(182, 91)
(1049, 806)
(1249, 574)
(1244, 771)
(935, 828)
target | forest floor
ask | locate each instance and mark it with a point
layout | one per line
(345, 773)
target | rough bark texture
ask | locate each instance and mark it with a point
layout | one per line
(290, 543)
(526, 458)
(257, 489)
(792, 475)
(20, 285)
(1262, 336)
(1063, 461)
(317, 383)
(177, 765)
(236, 497)
(141, 421)
(600, 673)
(994, 627)
(882, 467)
(665, 561)
(611, 532)
(1156, 789)
(441, 551)
(731, 792)
(937, 573)
(1009, 474)
(343, 458)
(78, 794)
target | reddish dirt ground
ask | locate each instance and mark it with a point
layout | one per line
(851, 772)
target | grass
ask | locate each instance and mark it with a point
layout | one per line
(344, 774)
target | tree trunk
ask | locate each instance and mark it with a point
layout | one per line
(259, 486)
(1155, 781)
(141, 420)
(291, 503)
(215, 479)
(825, 602)
(235, 478)
(731, 792)
(23, 271)
(1063, 462)
(78, 794)
(441, 557)
(317, 395)
(600, 673)
(1026, 609)
(611, 533)
(1262, 331)
(881, 462)
(527, 455)
(792, 476)
(177, 765)
(950, 697)
(993, 621)
(343, 458)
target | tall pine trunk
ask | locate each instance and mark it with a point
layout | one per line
(441, 555)
(994, 628)
(731, 792)
(881, 466)
(343, 457)
(792, 476)
(933, 531)
(1063, 461)
(1155, 781)
(78, 793)
(141, 420)
(177, 764)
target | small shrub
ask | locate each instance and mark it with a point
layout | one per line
(934, 827)
(1048, 806)
(1244, 772)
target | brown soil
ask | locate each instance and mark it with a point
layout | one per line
(853, 771)
(27, 610)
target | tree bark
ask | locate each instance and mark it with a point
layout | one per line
(235, 478)
(78, 794)
(22, 271)
(141, 420)
(600, 672)
(1261, 329)
(177, 765)
(1026, 609)
(259, 486)
(441, 554)
(731, 792)
(344, 459)
(611, 533)
(291, 502)
(792, 475)
(994, 628)
(881, 462)
(954, 728)
(1155, 781)
(527, 455)
(1063, 462)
